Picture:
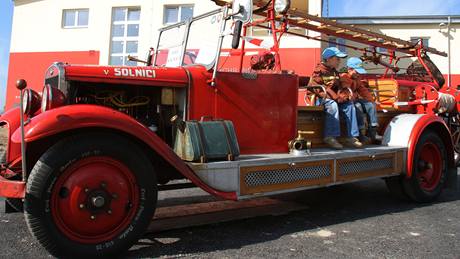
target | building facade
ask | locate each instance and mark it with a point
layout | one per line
(105, 32)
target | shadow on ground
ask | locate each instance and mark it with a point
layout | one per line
(325, 207)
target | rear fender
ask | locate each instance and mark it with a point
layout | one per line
(404, 130)
(74, 117)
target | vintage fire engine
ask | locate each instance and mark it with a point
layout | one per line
(87, 156)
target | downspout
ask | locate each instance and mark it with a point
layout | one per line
(449, 76)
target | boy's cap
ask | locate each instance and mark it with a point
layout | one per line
(356, 64)
(333, 51)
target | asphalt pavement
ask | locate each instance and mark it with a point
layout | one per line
(359, 220)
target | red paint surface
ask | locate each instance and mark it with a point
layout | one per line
(263, 110)
(90, 172)
(32, 66)
(86, 116)
(12, 189)
(302, 61)
(158, 76)
(429, 177)
(455, 81)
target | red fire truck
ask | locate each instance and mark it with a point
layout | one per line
(86, 157)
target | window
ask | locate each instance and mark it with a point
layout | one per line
(125, 36)
(177, 13)
(334, 41)
(425, 40)
(76, 18)
(382, 50)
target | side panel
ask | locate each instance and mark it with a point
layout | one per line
(262, 107)
(91, 116)
(404, 131)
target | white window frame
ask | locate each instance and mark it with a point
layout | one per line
(179, 13)
(125, 38)
(75, 22)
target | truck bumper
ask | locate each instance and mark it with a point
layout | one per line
(12, 189)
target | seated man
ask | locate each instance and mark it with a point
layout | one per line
(362, 98)
(335, 100)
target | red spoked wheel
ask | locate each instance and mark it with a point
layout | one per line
(429, 168)
(94, 199)
(91, 195)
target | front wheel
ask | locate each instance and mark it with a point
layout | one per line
(90, 195)
(429, 170)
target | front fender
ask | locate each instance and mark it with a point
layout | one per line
(11, 118)
(404, 131)
(81, 116)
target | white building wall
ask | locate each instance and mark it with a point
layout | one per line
(37, 25)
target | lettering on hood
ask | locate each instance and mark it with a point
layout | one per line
(134, 72)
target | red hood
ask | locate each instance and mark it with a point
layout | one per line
(172, 77)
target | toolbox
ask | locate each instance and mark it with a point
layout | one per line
(204, 140)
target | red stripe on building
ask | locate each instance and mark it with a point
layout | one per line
(32, 66)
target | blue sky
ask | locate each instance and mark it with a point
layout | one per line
(335, 8)
(6, 14)
(390, 7)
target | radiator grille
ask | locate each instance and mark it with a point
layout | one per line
(3, 143)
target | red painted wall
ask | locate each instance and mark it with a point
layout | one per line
(300, 60)
(455, 80)
(31, 66)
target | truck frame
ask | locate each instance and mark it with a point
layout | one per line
(85, 158)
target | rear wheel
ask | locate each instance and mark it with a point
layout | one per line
(90, 195)
(429, 170)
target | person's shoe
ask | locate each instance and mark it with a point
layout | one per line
(352, 142)
(333, 143)
(374, 135)
(363, 138)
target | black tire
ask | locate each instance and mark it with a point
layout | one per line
(412, 186)
(54, 163)
(396, 188)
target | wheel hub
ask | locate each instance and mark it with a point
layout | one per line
(98, 201)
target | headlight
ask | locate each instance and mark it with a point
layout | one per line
(51, 98)
(30, 102)
(282, 6)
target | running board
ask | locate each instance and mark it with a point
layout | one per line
(267, 174)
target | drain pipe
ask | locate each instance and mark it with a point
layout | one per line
(449, 76)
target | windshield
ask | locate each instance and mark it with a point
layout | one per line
(191, 42)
